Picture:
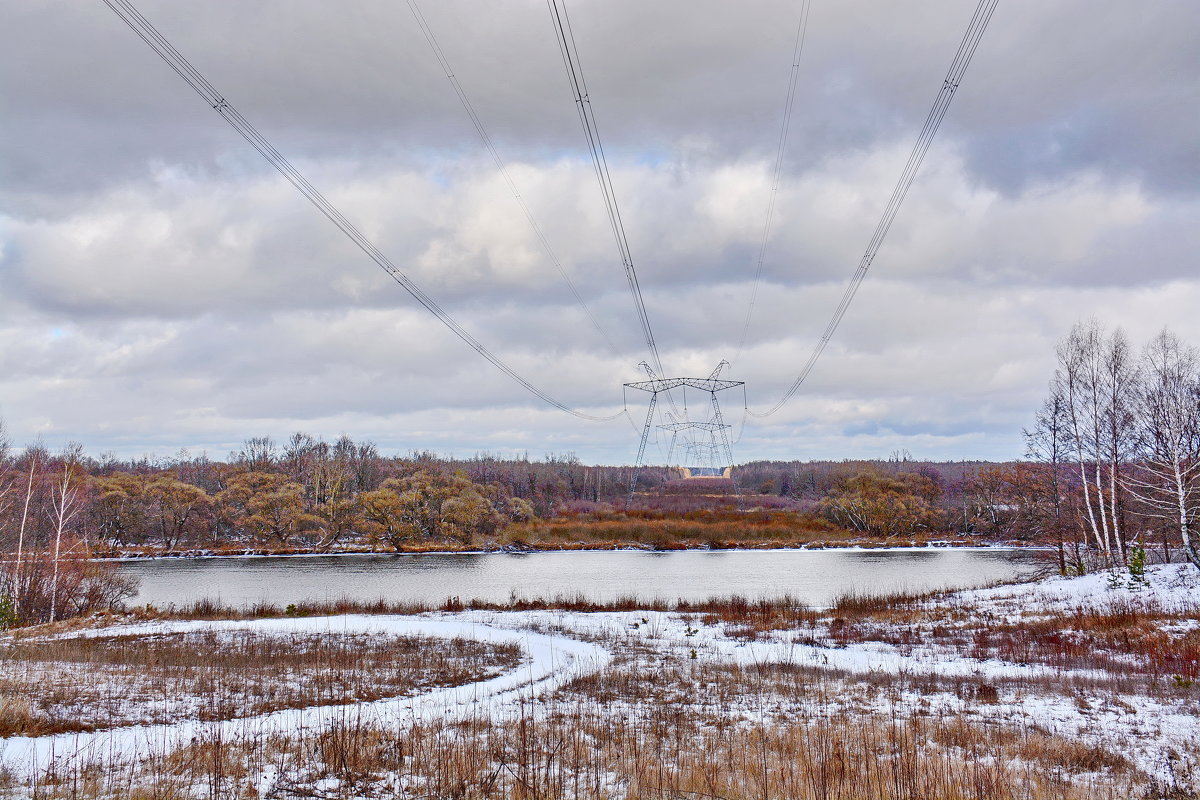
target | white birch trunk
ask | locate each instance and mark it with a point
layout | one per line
(18, 589)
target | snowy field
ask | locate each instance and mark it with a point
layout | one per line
(1081, 687)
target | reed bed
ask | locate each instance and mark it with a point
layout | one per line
(727, 607)
(676, 522)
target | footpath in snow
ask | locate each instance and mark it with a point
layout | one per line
(549, 662)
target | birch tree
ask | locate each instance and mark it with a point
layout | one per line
(1098, 381)
(65, 503)
(1120, 381)
(1167, 479)
(19, 579)
(8, 479)
(8, 495)
(1048, 443)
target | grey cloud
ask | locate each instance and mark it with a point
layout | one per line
(160, 285)
(1057, 87)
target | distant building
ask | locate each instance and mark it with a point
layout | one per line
(705, 472)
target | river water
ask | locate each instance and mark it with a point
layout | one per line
(815, 577)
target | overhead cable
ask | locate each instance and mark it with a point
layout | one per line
(962, 58)
(583, 105)
(503, 168)
(788, 106)
(174, 59)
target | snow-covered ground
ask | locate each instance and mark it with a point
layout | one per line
(549, 662)
(1160, 734)
(1159, 731)
(1171, 587)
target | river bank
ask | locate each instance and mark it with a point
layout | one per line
(149, 553)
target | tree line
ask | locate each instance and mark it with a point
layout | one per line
(305, 493)
(309, 494)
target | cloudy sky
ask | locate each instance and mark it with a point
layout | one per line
(162, 287)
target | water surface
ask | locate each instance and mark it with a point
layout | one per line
(815, 577)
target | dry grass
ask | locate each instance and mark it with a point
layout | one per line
(1125, 638)
(722, 527)
(89, 683)
(730, 607)
(657, 723)
(863, 604)
(627, 732)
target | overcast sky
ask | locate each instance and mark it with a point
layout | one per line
(162, 287)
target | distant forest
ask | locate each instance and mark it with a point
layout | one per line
(306, 493)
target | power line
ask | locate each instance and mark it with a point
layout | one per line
(583, 105)
(962, 59)
(788, 106)
(182, 67)
(503, 168)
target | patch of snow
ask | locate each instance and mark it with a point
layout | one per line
(550, 661)
(1174, 588)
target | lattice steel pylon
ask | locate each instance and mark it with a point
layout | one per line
(713, 447)
(716, 427)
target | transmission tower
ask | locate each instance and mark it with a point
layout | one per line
(713, 448)
(718, 445)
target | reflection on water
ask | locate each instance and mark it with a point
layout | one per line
(815, 577)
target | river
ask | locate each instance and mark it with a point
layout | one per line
(815, 577)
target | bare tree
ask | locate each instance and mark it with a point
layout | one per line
(1048, 443)
(18, 579)
(1078, 378)
(65, 504)
(175, 507)
(1098, 380)
(258, 453)
(5, 444)
(8, 483)
(1120, 382)
(1167, 480)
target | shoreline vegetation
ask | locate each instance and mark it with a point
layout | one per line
(564, 547)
